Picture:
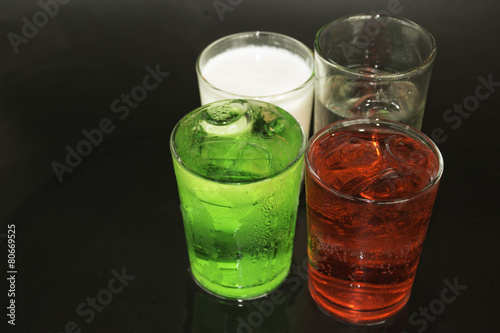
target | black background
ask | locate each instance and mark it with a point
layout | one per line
(118, 209)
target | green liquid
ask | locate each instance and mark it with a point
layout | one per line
(239, 185)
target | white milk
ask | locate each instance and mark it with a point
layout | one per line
(264, 73)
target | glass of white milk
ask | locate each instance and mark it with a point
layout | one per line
(259, 65)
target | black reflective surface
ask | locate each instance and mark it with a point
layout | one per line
(100, 248)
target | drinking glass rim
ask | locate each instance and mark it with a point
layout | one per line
(256, 33)
(297, 158)
(425, 64)
(408, 130)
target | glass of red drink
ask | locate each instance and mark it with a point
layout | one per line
(370, 188)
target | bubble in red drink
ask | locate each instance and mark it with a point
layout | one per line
(370, 188)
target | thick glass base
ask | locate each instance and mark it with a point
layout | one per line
(360, 317)
(241, 293)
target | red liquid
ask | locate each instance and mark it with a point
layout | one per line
(363, 255)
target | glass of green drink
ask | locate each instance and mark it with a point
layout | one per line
(238, 165)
